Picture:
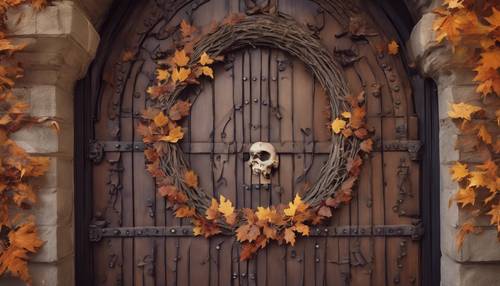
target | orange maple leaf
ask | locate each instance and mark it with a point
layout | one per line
(191, 179)
(393, 48)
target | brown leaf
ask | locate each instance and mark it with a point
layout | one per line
(366, 145)
(179, 110)
(325, 211)
(191, 179)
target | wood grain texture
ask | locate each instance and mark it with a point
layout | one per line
(258, 94)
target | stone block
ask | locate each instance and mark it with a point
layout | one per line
(47, 100)
(59, 174)
(47, 274)
(448, 134)
(59, 243)
(54, 207)
(43, 139)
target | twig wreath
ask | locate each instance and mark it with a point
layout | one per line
(179, 184)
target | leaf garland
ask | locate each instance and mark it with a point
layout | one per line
(254, 229)
(473, 29)
(18, 233)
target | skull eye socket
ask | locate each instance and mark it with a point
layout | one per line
(263, 155)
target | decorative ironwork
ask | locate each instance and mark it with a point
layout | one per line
(411, 146)
(413, 231)
(96, 151)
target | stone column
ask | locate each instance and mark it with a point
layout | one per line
(62, 42)
(478, 262)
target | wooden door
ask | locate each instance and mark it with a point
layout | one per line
(258, 94)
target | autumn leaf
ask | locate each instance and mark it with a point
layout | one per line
(180, 75)
(226, 207)
(247, 232)
(357, 117)
(127, 56)
(205, 59)
(465, 196)
(366, 145)
(184, 212)
(269, 232)
(174, 135)
(160, 119)
(162, 75)
(495, 216)
(302, 229)
(346, 114)
(494, 19)
(453, 4)
(465, 229)
(191, 179)
(483, 134)
(463, 111)
(247, 251)
(290, 236)
(186, 29)
(264, 214)
(296, 205)
(213, 211)
(325, 210)
(337, 125)
(180, 58)
(393, 48)
(207, 71)
(179, 110)
(347, 132)
(361, 133)
(459, 171)
(353, 166)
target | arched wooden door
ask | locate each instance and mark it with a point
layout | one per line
(258, 94)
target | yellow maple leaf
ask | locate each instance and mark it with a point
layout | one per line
(296, 205)
(174, 135)
(346, 114)
(263, 214)
(302, 229)
(205, 59)
(453, 4)
(459, 171)
(477, 179)
(180, 58)
(197, 230)
(465, 196)
(180, 75)
(463, 110)
(160, 119)
(162, 75)
(393, 48)
(337, 125)
(225, 206)
(207, 71)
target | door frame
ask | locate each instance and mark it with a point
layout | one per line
(426, 105)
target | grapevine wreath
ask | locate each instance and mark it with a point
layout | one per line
(190, 60)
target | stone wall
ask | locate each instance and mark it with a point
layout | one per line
(478, 262)
(62, 42)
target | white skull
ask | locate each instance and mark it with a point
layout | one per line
(263, 159)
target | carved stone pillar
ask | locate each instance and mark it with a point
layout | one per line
(477, 263)
(62, 42)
